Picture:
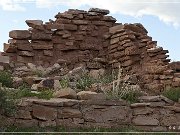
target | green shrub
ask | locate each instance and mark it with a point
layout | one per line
(125, 91)
(45, 94)
(64, 83)
(172, 93)
(25, 91)
(85, 82)
(7, 102)
(6, 79)
(131, 97)
(105, 79)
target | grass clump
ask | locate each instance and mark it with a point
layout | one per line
(6, 79)
(172, 93)
(121, 89)
(25, 91)
(85, 82)
(64, 83)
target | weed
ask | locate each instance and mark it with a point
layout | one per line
(172, 93)
(85, 82)
(6, 79)
(64, 83)
(45, 94)
(122, 90)
(7, 102)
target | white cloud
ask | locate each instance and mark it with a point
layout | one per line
(11, 5)
(166, 10)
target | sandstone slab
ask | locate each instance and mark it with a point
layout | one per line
(20, 34)
(44, 113)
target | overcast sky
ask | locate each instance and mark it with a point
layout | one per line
(160, 17)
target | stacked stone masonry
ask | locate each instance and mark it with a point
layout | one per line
(77, 37)
(153, 113)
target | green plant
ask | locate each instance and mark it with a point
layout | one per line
(6, 79)
(105, 79)
(7, 102)
(39, 73)
(131, 97)
(84, 82)
(45, 94)
(64, 82)
(25, 91)
(172, 93)
(121, 89)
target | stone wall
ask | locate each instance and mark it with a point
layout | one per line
(153, 113)
(76, 36)
(93, 39)
(138, 55)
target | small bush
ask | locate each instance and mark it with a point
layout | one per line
(172, 93)
(121, 89)
(105, 79)
(7, 102)
(131, 97)
(85, 82)
(64, 83)
(6, 79)
(125, 91)
(45, 94)
(25, 91)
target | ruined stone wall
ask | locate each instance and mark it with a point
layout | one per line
(154, 113)
(138, 55)
(76, 36)
(79, 37)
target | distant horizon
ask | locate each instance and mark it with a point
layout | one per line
(160, 19)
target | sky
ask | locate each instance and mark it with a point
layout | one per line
(160, 17)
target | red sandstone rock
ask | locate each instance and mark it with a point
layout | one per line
(44, 113)
(26, 53)
(102, 11)
(65, 93)
(36, 24)
(20, 34)
(9, 48)
(38, 35)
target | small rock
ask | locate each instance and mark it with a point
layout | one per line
(57, 85)
(167, 100)
(96, 74)
(1, 68)
(140, 105)
(36, 24)
(149, 98)
(98, 10)
(78, 70)
(65, 93)
(17, 82)
(101, 60)
(34, 87)
(46, 83)
(31, 66)
(89, 95)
